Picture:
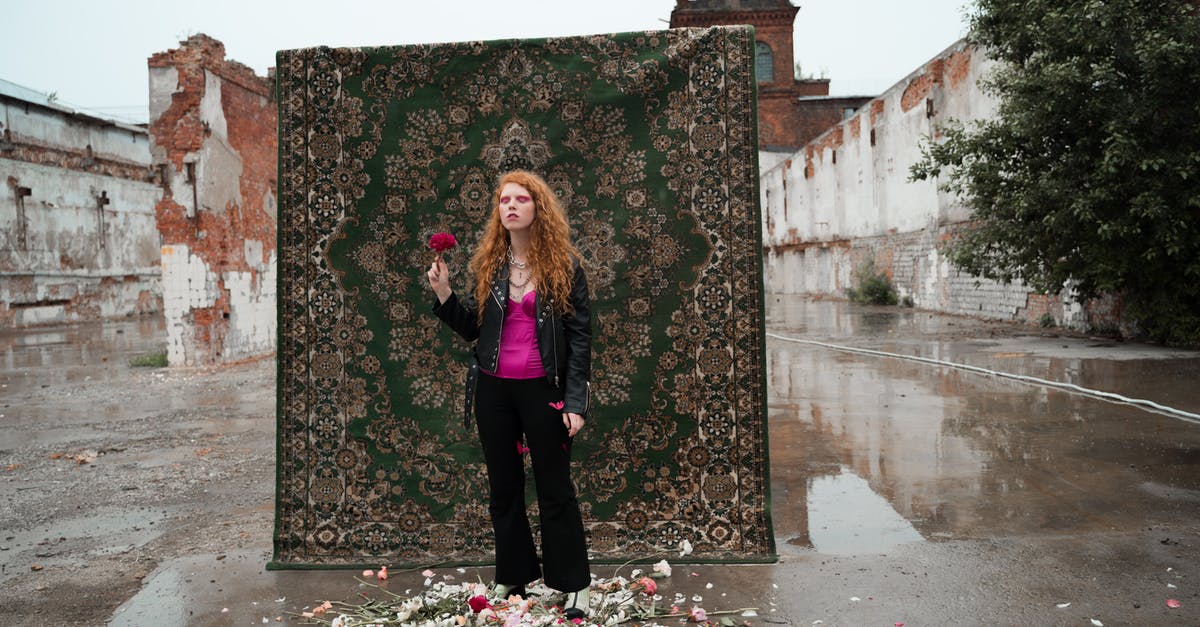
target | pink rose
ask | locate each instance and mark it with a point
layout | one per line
(441, 242)
(698, 615)
(647, 585)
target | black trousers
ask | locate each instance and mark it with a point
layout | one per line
(508, 411)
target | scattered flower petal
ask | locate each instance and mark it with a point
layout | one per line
(1170, 585)
(382, 574)
(708, 586)
(663, 567)
(698, 615)
(368, 573)
(1062, 605)
(749, 614)
(697, 598)
(307, 614)
(855, 599)
(1173, 604)
(898, 624)
(427, 573)
(1097, 623)
(685, 548)
(281, 600)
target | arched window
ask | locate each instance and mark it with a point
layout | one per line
(764, 62)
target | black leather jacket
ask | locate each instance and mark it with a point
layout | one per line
(565, 342)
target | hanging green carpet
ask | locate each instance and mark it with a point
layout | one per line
(650, 141)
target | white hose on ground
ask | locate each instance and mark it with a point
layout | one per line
(1070, 387)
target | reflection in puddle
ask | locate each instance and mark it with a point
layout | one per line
(160, 602)
(958, 455)
(847, 517)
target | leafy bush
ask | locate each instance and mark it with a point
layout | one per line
(874, 288)
(1087, 174)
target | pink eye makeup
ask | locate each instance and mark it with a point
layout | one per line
(520, 199)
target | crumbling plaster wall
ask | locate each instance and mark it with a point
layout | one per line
(77, 233)
(213, 129)
(846, 198)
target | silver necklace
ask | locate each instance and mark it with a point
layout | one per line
(522, 284)
(513, 262)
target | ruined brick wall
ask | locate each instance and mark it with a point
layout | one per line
(77, 234)
(845, 198)
(213, 141)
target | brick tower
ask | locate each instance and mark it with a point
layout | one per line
(791, 111)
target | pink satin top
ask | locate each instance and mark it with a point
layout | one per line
(519, 356)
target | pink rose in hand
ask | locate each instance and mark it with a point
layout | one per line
(441, 242)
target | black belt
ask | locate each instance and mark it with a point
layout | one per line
(472, 380)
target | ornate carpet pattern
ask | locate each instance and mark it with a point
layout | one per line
(649, 139)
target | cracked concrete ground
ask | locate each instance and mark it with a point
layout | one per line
(933, 496)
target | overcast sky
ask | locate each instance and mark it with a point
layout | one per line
(92, 54)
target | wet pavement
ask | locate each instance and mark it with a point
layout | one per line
(902, 492)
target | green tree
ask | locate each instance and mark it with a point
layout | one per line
(1089, 175)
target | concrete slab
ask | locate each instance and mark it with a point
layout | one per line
(902, 492)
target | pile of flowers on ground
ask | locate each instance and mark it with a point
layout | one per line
(447, 603)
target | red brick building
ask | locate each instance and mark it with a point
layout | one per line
(791, 111)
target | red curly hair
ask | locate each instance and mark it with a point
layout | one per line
(551, 253)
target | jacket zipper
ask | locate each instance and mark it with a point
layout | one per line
(500, 333)
(554, 343)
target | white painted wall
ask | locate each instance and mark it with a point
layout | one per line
(867, 192)
(819, 228)
(77, 261)
(59, 128)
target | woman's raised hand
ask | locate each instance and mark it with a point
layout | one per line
(439, 279)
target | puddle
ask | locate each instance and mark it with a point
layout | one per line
(85, 351)
(160, 602)
(847, 517)
(112, 530)
(868, 452)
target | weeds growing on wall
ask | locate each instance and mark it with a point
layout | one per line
(874, 288)
(156, 359)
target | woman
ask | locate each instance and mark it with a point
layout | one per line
(529, 316)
